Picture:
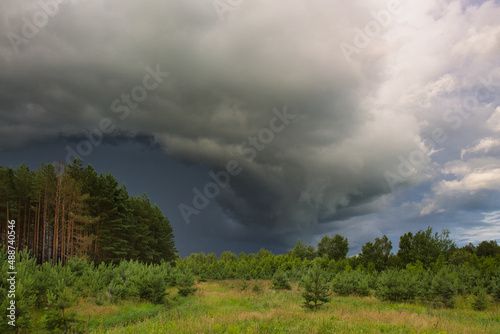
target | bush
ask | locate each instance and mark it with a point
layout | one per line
(256, 288)
(59, 300)
(480, 302)
(25, 293)
(280, 281)
(244, 285)
(396, 285)
(444, 286)
(353, 282)
(185, 283)
(468, 279)
(495, 288)
(153, 283)
(316, 288)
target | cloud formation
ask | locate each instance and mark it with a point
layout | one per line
(427, 70)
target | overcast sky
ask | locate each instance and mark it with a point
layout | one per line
(255, 123)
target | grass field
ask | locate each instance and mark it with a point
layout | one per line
(222, 307)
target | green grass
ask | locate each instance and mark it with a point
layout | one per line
(127, 314)
(221, 307)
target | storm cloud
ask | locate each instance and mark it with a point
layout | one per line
(384, 95)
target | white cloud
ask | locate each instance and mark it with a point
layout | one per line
(485, 145)
(494, 121)
(482, 179)
(472, 186)
(488, 230)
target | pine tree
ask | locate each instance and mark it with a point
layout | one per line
(335, 247)
(185, 283)
(316, 288)
(480, 302)
(376, 253)
(352, 282)
(59, 300)
(445, 285)
(495, 288)
(280, 281)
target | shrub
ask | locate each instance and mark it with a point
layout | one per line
(353, 282)
(480, 302)
(444, 286)
(418, 281)
(185, 283)
(495, 288)
(59, 300)
(24, 290)
(396, 285)
(256, 288)
(280, 281)
(153, 283)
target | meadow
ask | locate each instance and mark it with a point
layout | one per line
(240, 306)
(303, 291)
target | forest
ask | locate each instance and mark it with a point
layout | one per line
(75, 249)
(63, 212)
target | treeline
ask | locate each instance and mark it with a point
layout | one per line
(428, 267)
(426, 249)
(65, 211)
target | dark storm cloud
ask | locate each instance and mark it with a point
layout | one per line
(116, 138)
(93, 60)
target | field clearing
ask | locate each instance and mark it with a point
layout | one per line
(222, 307)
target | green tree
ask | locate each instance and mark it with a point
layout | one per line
(316, 288)
(445, 286)
(480, 302)
(461, 256)
(377, 253)
(495, 288)
(488, 249)
(228, 256)
(351, 282)
(299, 251)
(280, 281)
(185, 283)
(424, 246)
(335, 247)
(57, 317)
(396, 285)
(469, 248)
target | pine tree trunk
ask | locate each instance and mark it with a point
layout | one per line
(63, 232)
(44, 224)
(7, 223)
(36, 247)
(29, 239)
(25, 236)
(55, 238)
(18, 224)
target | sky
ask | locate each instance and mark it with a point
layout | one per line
(253, 124)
